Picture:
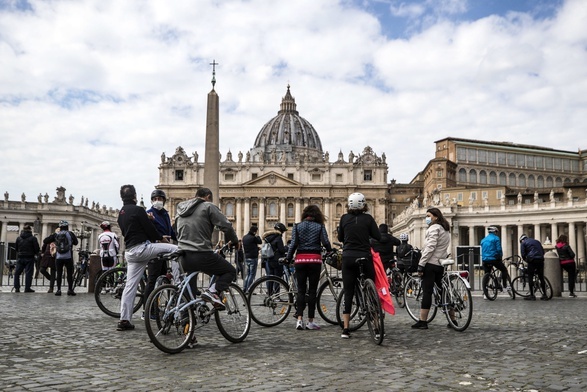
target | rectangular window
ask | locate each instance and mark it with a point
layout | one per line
(539, 162)
(439, 173)
(368, 175)
(482, 156)
(461, 154)
(459, 197)
(228, 176)
(521, 160)
(471, 155)
(290, 176)
(491, 157)
(484, 195)
(253, 176)
(501, 158)
(558, 165)
(548, 163)
(338, 177)
(179, 175)
(498, 194)
(566, 165)
(316, 177)
(473, 195)
(511, 159)
(530, 161)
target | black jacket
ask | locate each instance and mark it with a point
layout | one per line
(136, 226)
(27, 245)
(385, 246)
(354, 231)
(532, 250)
(276, 240)
(251, 245)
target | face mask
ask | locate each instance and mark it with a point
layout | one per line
(428, 220)
(158, 204)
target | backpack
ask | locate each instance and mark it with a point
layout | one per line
(267, 251)
(62, 242)
(408, 257)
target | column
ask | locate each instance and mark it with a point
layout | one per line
(572, 235)
(520, 232)
(554, 232)
(538, 233)
(247, 214)
(298, 209)
(238, 218)
(261, 215)
(505, 241)
(283, 211)
(580, 253)
(472, 236)
(328, 218)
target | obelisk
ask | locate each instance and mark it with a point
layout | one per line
(212, 154)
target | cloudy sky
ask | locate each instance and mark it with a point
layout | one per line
(93, 91)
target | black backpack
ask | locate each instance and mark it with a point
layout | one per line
(61, 242)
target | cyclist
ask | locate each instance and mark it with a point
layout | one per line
(275, 239)
(196, 220)
(533, 253)
(143, 242)
(405, 254)
(306, 240)
(491, 255)
(354, 230)
(109, 246)
(64, 259)
(251, 242)
(385, 245)
(429, 267)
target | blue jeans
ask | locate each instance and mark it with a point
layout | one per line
(27, 265)
(251, 273)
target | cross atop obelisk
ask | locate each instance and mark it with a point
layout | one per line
(214, 64)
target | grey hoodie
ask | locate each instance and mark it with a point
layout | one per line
(195, 222)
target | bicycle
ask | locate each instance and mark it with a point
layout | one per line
(109, 287)
(81, 271)
(272, 297)
(454, 298)
(366, 306)
(174, 312)
(400, 273)
(492, 284)
(521, 283)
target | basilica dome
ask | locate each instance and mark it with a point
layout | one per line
(287, 137)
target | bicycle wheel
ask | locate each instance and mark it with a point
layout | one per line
(372, 305)
(326, 300)
(520, 286)
(356, 318)
(538, 287)
(109, 288)
(169, 329)
(458, 302)
(398, 288)
(270, 300)
(490, 286)
(234, 322)
(413, 297)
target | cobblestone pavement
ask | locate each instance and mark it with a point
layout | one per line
(50, 343)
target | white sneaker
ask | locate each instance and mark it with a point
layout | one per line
(143, 316)
(300, 325)
(312, 325)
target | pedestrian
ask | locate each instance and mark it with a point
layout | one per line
(196, 220)
(27, 248)
(109, 247)
(566, 257)
(239, 259)
(307, 239)
(437, 241)
(48, 252)
(251, 242)
(533, 253)
(275, 239)
(142, 242)
(160, 218)
(385, 246)
(64, 240)
(492, 255)
(354, 230)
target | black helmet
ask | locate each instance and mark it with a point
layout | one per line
(280, 226)
(158, 193)
(63, 223)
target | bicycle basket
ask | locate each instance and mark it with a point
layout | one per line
(334, 259)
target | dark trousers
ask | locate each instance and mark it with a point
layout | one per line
(571, 269)
(432, 274)
(26, 264)
(155, 268)
(68, 264)
(536, 267)
(505, 277)
(212, 264)
(350, 273)
(49, 276)
(307, 273)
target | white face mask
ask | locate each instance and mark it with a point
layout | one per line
(428, 220)
(158, 204)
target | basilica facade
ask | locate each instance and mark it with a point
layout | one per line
(285, 170)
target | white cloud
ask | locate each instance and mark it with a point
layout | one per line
(93, 91)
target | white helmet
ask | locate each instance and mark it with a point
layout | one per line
(356, 201)
(403, 237)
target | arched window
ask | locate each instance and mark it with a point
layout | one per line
(338, 210)
(229, 209)
(254, 210)
(462, 175)
(502, 179)
(482, 177)
(558, 182)
(522, 180)
(272, 209)
(493, 178)
(290, 210)
(473, 176)
(512, 179)
(549, 182)
(531, 181)
(540, 182)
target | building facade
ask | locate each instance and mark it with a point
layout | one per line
(285, 170)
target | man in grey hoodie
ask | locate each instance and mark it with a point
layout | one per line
(196, 219)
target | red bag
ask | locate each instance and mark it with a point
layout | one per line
(382, 284)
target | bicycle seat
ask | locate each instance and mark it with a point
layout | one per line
(173, 255)
(361, 260)
(445, 262)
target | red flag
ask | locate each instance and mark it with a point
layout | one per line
(382, 284)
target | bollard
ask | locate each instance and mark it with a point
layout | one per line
(95, 268)
(552, 271)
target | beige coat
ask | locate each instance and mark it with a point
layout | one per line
(436, 247)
